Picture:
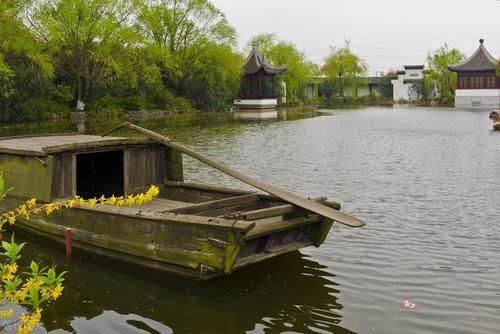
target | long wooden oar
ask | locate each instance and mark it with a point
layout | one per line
(292, 198)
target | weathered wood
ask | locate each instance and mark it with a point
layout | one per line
(20, 151)
(143, 166)
(27, 177)
(312, 206)
(277, 224)
(44, 145)
(109, 145)
(217, 204)
(173, 165)
(208, 188)
(64, 184)
(259, 257)
(282, 210)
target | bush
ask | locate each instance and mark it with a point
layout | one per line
(180, 104)
(110, 104)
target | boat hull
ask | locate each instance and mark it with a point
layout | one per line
(193, 247)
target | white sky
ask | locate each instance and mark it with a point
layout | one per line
(387, 34)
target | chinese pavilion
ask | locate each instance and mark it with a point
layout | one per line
(477, 82)
(259, 89)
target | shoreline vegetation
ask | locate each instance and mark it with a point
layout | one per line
(163, 56)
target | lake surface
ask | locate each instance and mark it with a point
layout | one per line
(425, 180)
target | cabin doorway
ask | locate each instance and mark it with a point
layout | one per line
(99, 174)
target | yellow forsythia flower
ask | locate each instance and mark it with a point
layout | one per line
(6, 313)
(30, 207)
(30, 321)
(57, 291)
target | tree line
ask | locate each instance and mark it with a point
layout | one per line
(133, 54)
(149, 54)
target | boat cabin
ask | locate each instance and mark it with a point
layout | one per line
(55, 167)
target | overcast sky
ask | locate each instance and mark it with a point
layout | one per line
(387, 34)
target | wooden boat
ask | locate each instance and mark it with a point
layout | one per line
(495, 118)
(193, 230)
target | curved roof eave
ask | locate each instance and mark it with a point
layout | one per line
(481, 60)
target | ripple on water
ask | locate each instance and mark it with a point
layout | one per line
(425, 181)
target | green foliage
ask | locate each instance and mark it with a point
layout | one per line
(25, 66)
(439, 74)
(2, 187)
(346, 70)
(215, 78)
(192, 42)
(385, 87)
(419, 91)
(327, 89)
(88, 39)
(12, 249)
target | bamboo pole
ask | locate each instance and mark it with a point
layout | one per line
(287, 196)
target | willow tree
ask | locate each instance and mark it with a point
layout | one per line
(89, 39)
(24, 64)
(299, 68)
(439, 75)
(345, 70)
(184, 31)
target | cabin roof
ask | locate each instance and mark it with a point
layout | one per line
(47, 144)
(256, 62)
(481, 60)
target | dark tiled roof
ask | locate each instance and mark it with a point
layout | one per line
(256, 62)
(408, 81)
(481, 60)
(414, 67)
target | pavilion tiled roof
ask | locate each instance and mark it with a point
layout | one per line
(256, 62)
(480, 61)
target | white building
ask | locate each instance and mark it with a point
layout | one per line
(404, 81)
(478, 85)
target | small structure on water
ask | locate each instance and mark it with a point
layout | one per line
(402, 84)
(478, 85)
(260, 87)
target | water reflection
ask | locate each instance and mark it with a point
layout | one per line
(255, 115)
(291, 293)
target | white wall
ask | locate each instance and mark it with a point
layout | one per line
(401, 90)
(477, 98)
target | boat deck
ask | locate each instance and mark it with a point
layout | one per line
(153, 208)
(43, 145)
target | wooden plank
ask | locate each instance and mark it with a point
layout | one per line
(92, 145)
(143, 167)
(217, 204)
(175, 218)
(63, 174)
(282, 210)
(22, 151)
(290, 197)
(208, 188)
(173, 165)
(277, 224)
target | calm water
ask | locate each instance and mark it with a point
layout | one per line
(425, 180)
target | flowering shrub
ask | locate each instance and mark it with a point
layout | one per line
(39, 286)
